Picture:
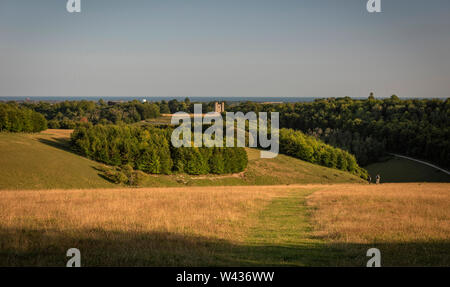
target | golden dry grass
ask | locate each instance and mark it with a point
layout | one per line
(240, 225)
(198, 211)
(386, 212)
(125, 220)
(409, 223)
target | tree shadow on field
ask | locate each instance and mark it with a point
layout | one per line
(59, 143)
(64, 144)
(21, 247)
(101, 172)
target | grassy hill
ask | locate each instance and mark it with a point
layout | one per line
(275, 222)
(44, 161)
(38, 161)
(394, 169)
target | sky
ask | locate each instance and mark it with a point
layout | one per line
(227, 48)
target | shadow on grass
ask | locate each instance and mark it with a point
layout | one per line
(59, 143)
(64, 144)
(102, 173)
(19, 247)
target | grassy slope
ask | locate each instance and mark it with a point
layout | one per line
(228, 226)
(44, 161)
(280, 170)
(31, 162)
(395, 169)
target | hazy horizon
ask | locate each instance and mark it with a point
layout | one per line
(199, 48)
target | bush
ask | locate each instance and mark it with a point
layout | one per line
(123, 175)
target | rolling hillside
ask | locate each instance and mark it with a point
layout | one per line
(395, 169)
(270, 215)
(44, 161)
(39, 161)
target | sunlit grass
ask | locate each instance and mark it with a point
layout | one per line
(310, 225)
(410, 223)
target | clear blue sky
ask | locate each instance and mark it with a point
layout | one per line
(244, 48)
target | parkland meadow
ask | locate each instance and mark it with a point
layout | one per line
(46, 161)
(297, 225)
(277, 212)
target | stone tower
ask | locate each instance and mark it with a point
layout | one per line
(219, 107)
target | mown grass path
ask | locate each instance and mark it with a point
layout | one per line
(282, 235)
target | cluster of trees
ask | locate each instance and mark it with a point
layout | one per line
(148, 149)
(310, 149)
(415, 127)
(145, 149)
(204, 160)
(14, 118)
(67, 114)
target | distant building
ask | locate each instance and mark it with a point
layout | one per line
(219, 107)
(144, 100)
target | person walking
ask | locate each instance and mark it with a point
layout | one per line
(369, 179)
(378, 178)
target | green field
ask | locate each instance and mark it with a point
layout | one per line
(39, 161)
(395, 169)
(45, 161)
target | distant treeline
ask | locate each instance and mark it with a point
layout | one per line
(14, 118)
(149, 149)
(369, 128)
(310, 149)
(67, 114)
(366, 128)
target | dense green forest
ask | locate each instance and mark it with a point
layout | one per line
(310, 149)
(369, 128)
(148, 149)
(15, 118)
